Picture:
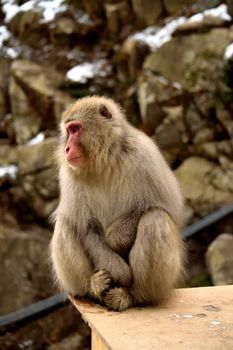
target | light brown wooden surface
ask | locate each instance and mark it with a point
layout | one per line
(194, 319)
(97, 343)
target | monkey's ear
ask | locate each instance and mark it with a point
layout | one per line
(105, 112)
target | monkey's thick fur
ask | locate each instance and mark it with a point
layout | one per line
(117, 226)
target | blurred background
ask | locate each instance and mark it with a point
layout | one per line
(170, 64)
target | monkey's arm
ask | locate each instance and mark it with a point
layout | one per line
(121, 234)
(103, 257)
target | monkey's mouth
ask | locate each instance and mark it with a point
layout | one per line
(74, 160)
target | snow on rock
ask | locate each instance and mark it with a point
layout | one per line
(155, 37)
(228, 54)
(10, 9)
(83, 18)
(88, 70)
(8, 171)
(37, 139)
(11, 52)
(4, 35)
(218, 12)
(49, 9)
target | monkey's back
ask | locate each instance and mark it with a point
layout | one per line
(147, 174)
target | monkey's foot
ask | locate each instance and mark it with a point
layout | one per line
(118, 299)
(101, 281)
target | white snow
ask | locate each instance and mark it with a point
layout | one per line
(11, 52)
(4, 34)
(218, 12)
(48, 8)
(83, 18)
(37, 139)
(10, 8)
(88, 70)
(51, 8)
(8, 170)
(155, 37)
(228, 52)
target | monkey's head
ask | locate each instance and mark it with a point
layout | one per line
(91, 132)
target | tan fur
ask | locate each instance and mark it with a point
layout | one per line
(120, 214)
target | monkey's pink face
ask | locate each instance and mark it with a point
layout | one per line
(73, 151)
(90, 130)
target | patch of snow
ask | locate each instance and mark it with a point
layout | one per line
(218, 12)
(83, 18)
(11, 52)
(4, 34)
(88, 70)
(37, 139)
(228, 54)
(52, 8)
(8, 170)
(177, 85)
(10, 9)
(49, 9)
(162, 80)
(187, 316)
(155, 37)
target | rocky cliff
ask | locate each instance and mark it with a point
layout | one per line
(169, 63)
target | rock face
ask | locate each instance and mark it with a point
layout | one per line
(150, 109)
(32, 91)
(177, 7)
(219, 259)
(118, 15)
(230, 7)
(196, 176)
(147, 12)
(38, 176)
(199, 59)
(24, 267)
(5, 69)
(174, 77)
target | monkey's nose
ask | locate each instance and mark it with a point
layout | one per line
(67, 149)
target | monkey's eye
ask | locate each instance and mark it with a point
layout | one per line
(73, 128)
(105, 112)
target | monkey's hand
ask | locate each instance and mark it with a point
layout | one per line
(119, 270)
(121, 234)
(103, 257)
(101, 282)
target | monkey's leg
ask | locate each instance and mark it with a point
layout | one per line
(72, 267)
(121, 234)
(156, 258)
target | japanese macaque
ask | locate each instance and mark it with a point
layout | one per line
(117, 226)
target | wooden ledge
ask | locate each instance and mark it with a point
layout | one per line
(194, 319)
